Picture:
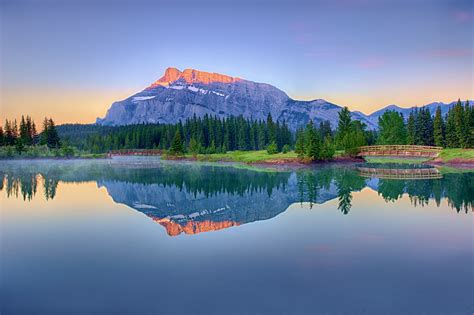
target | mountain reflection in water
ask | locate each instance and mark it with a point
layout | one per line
(194, 198)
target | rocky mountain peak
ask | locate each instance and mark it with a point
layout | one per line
(191, 76)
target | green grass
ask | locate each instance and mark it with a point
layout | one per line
(43, 152)
(243, 156)
(449, 154)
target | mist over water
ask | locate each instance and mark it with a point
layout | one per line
(140, 235)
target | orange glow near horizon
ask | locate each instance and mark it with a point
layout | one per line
(76, 105)
(67, 106)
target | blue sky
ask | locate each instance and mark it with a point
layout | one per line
(72, 59)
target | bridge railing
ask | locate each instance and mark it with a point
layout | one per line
(400, 147)
(400, 150)
(135, 152)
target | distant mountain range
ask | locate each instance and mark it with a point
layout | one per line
(179, 95)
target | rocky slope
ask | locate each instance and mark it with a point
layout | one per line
(179, 95)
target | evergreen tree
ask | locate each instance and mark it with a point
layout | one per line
(343, 126)
(44, 133)
(53, 140)
(177, 146)
(272, 148)
(2, 137)
(459, 124)
(24, 133)
(411, 131)
(451, 136)
(438, 129)
(427, 128)
(327, 149)
(193, 146)
(468, 125)
(9, 134)
(325, 129)
(392, 129)
(15, 131)
(271, 129)
(300, 143)
(313, 142)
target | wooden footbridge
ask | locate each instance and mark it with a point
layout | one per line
(411, 151)
(134, 152)
(392, 173)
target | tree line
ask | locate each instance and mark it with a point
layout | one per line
(210, 134)
(320, 143)
(24, 134)
(212, 181)
(454, 130)
(207, 134)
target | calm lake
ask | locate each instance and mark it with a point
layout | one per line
(141, 236)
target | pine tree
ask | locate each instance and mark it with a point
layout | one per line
(24, 135)
(459, 124)
(9, 134)
(271, 129)
(313, 142)
(344, 125)
(468, 125)
(2, 137)
(438, 129)
(325, 129)
(411, 128)
(451, 136)
(427, 128)
(419, 127)
(300, 143)
(392, 128)
(177, 144)
(272, 148)
(53, 140)
(193, 146)
(15, 130)
(44, 133)
(327, 149)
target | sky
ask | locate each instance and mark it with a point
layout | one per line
(71, 59)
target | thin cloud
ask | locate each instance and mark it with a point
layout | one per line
(463, 16)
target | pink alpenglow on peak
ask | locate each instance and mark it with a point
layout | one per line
(190, 76)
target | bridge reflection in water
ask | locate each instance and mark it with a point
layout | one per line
(400, 173)
(191, 198)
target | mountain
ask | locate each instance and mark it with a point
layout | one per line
(374, 117)
(179, 95)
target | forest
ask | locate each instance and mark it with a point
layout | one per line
(208, 135)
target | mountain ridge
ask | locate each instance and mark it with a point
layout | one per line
(179, 95)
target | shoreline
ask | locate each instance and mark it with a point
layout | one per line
(301, 163)
(284, 162)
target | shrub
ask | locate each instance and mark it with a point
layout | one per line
(272, 148)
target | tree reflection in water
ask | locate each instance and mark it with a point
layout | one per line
(306, 185)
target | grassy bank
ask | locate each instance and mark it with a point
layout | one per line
(451, 155)
(44, 152)
(241, 156)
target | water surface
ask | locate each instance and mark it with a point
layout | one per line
(140, 236)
